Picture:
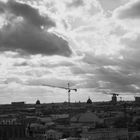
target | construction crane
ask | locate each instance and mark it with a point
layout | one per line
(69, 89)
(114, 97)
(66, 88)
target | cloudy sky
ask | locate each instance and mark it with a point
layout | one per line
(92, 44)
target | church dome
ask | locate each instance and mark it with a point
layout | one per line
(37, 102)
(89, 101)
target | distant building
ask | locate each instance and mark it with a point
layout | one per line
(85, 119)
(37, 102)
(109, 121)
(45, 120)
(114, 98)
(7, 120)
(72, 138)
(106, 134)
(89, 101)
(18, 103)
(41, 132)
(12, 132)
(134, 135)
(28, 120)
(137, 100)
(59, 116)
(53, 135)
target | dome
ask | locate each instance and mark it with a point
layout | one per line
(37, 102)
(89, 101)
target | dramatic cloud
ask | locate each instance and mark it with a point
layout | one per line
(109, 74)
(29, 14)
(26, 32)
(130, 10)
(103, 34)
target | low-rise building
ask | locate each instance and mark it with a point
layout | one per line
(12, 132)
(134, 135)
(86, 119)
(106, 134)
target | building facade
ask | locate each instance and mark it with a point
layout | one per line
(106, 134)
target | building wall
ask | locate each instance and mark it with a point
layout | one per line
(134, 135)
(11, 132)
(137, 99)
(106, 134)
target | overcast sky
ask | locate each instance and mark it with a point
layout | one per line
(92, 44)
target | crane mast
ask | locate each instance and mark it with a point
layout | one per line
(69, 90)
(66, 88)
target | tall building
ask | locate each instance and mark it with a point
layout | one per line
(114, 99)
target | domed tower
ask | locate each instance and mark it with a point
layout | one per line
(89, 101)
(37, 102)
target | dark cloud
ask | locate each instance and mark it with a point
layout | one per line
(2, 7)
(107, 79)
(116, 77)
(59, 64)
(131, 10)
(26, 35)
(13, 80)
(131, 53)
(42, 63)
(75, 3)
(37, 72)
(111, 74)
(27, 38)
(131, 42)
(56, 82)
(110, 4)
(21, 64)
(99, 60)
(78, 70)
(30, 14)
(118, 31)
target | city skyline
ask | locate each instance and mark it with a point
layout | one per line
(91, 44)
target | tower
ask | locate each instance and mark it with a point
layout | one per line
(37, 102)
(114, 98)
(89, 101)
